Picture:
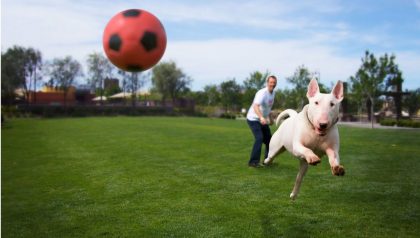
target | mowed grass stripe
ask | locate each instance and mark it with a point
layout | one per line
(187, 177)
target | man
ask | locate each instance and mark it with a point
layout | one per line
(259, 121)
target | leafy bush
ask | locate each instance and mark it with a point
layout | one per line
(401, 123)
(228, 116)
(83, 111)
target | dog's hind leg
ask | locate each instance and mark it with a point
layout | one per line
(302, 171)
(272, 153)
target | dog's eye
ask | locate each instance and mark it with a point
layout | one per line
(332, 104)
(316, 102)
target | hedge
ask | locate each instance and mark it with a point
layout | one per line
(400, 123)
(91, 110)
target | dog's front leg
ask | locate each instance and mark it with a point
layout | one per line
(334, 160)
(302, 171)
(305, 153)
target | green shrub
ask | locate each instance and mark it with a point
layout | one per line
(400, 123)
(83, 111)
(388, 122)
(227, 115)
(10, 111)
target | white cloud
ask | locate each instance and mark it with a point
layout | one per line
(49, 26)
(72, 27)
(232, 58)
(274, 15)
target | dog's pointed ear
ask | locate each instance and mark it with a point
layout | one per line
(313, 88)
(338, 91)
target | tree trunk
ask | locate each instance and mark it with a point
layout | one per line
(133, 99)
(367, 105)
(163, 100)
(372, 114)
(102, 91)
(397, 101)
(35, 87)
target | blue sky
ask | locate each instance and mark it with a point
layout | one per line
(215, 41)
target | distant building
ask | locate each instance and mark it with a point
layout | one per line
(110, 83)
(54, 96)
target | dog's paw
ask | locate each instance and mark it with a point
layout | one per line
(338, 170)
(267, 162)
(313, 159)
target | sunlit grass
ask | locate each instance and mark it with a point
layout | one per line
(188, 177)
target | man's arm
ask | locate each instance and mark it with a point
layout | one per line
(259, 113)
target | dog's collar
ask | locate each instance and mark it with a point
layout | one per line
(336, 120)
(307, 117)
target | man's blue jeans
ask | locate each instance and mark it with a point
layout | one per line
(262, 134)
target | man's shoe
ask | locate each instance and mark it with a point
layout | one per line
(254, 165)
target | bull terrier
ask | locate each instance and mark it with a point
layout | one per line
(310, 134)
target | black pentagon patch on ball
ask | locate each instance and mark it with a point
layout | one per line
(115, 42)
(131, 13)
(133, 68)
(149, 40)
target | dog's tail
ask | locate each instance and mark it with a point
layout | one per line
(285, 114)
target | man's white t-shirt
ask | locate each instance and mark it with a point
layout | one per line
(263, 98)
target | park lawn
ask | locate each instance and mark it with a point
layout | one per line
(188, 177)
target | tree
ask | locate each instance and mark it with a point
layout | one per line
(300, 79)
(21, 69)
(99, 68)
(412, 101)
(63, 72)
(111, 89)
(256, 80)
(212, 95)
(369, 81)
(252, 84)
(230, 94)
(393, 81)
(286, 98)
(125, 81)
(32, 68)
(199, 97)
(169, 80)
(12, 73)
(134, 83)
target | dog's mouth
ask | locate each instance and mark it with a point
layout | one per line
(321, 131)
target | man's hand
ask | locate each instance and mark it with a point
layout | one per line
(263, 121)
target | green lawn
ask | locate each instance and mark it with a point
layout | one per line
(188, 177)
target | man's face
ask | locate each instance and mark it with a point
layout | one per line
(271, 84)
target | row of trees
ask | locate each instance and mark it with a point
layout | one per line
(24, 68)
(375, 79)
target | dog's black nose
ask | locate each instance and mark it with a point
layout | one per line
(323, 125)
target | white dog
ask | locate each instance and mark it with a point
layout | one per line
(311, 133)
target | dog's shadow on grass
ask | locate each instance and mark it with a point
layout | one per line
(286, 225)
(277, 166)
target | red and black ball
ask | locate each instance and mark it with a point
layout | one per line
(134, 40)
